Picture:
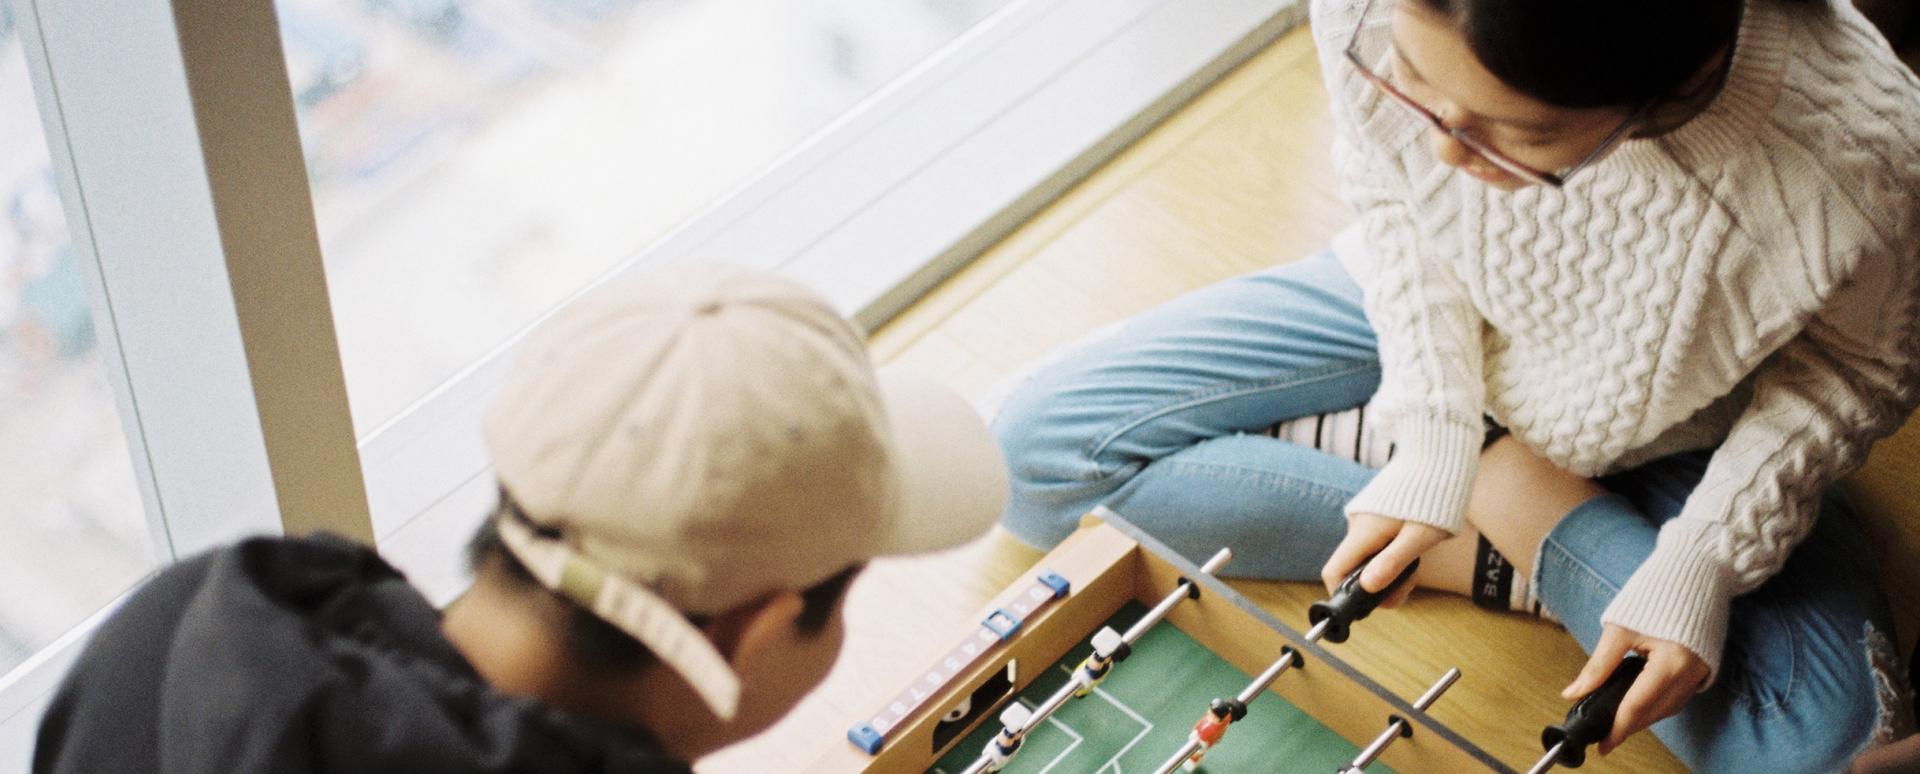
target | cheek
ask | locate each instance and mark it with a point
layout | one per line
(778, 684)
(1494, 176)
(1567, 151)
(1554, 157)
(1508, 182)
(815, 656)
(1448, 150)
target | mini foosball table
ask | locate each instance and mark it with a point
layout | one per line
(1114, 654)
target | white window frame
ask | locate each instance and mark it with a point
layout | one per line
(179, 168)
(179, 165)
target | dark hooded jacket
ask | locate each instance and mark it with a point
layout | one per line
(303, 655)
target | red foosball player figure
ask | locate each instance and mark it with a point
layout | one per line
(1212, 726)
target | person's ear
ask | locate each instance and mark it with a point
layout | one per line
(747, 631)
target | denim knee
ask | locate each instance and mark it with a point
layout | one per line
(1813, 731)
(1839, 727)
(1054, 476)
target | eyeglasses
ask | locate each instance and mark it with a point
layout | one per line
(1478, 146)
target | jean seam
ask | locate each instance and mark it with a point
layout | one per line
(1566, 557)
(1767, 705)
(1794, 673)
(1099, 444)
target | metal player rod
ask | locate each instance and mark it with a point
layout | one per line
(1590, 720)
(1180, 591)
(1553, 754)
(1273, 672)
(1332, 619)
(1398, 726)
(1046, 709)
(1288, 658)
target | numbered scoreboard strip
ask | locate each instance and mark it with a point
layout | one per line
(998, 626)
(1106, 565)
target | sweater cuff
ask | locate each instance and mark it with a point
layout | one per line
(1429, 477)
(1681, 593)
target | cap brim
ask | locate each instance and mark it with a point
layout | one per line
(953, 478)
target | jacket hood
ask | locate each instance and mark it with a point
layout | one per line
(305, 655)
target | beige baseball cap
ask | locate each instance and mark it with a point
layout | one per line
(689, 441)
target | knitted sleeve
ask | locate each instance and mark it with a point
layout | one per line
(1851, 377)
(1431, 395)
(1819, 404)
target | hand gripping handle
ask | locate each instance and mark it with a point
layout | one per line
(1351, 603)
(1591, 718)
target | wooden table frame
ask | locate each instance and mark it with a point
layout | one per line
(1111, 562)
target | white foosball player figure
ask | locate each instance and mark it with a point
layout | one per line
(1013, 732)
(1093, 670)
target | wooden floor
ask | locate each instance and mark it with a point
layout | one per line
(1237, 181)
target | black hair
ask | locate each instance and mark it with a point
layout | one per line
(1594, 53)
(591, 642)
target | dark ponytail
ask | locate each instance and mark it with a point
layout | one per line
(1594, 53)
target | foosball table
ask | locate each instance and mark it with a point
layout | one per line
(1102, 657)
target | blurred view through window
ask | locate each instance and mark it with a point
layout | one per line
(72, 531)
(476, 161)
(473, 163)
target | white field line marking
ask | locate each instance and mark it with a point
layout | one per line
(1147, 728)
(1146, 725)
(1077, 739)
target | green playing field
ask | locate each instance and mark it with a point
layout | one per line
(1141, 715)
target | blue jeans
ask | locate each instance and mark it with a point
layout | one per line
(1159, 421)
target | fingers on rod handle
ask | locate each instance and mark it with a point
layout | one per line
(1350, 602)
(1591, 719)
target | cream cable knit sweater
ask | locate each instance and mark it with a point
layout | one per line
(1749, 280)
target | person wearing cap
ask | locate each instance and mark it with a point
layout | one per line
(692, 466)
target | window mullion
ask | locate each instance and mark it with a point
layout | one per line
(180, 168)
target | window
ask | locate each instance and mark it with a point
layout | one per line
(470, 165)
(75, 531)
(474, 162)
(865, 147)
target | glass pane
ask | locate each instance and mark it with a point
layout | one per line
(475, 161)
(75, 535)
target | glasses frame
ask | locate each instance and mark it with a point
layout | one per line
(1480, 147)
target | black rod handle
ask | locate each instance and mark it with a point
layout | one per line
(1351, 603)
(1591, 718)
